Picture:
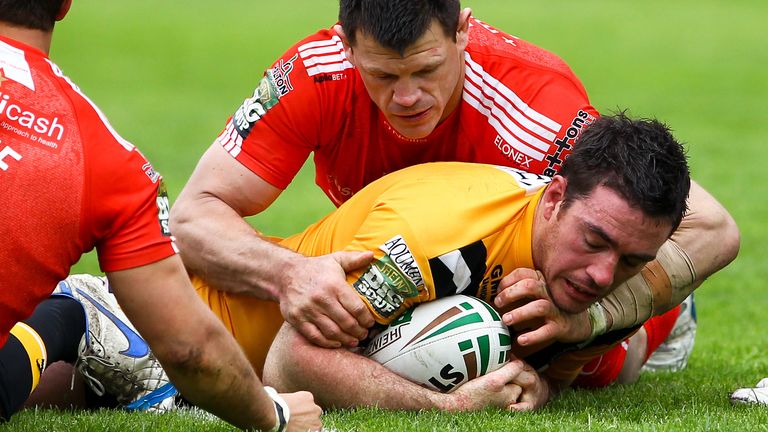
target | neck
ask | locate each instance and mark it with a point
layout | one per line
(453, 102)
(537, 234)
(39, 39)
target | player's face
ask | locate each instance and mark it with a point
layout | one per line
(418, 90)
(594, 245)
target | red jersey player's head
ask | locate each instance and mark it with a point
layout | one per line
(618, 198)
(33, 14)
(410, 55)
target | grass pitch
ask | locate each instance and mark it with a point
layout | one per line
(168, 74)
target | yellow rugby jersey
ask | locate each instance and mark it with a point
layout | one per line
(436, 229)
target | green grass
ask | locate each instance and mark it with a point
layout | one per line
(168, 74)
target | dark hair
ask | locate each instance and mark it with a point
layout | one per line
(397, 24)
(639, 159)
(33, 14)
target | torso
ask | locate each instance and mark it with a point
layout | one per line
(521, 107)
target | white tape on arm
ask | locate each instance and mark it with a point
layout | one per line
(598, 320)
(282, 412)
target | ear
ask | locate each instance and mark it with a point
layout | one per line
(345, 43)
(65, 5)
(462, 32)
(553, 197)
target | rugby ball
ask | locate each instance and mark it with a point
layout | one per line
(443, 343)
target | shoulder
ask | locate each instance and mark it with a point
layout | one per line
(318, 58)
(500, 52)
(312, 76)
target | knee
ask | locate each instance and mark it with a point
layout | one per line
(285, 355)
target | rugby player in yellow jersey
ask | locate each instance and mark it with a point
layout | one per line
(444, 228)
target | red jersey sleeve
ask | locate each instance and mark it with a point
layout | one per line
(126, 208)
(286, 118)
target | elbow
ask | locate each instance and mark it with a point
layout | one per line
(185, 227)
(180, 218)
(182, 359)
(709, 225)
(723, 227)
(193, 355)
(288, 356)
(731, 239)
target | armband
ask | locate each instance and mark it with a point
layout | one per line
(282, 412)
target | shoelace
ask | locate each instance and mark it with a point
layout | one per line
(98, 387)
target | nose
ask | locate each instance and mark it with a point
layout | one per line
(406, 92)
(603, 269)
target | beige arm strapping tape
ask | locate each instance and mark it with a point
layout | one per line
(660, 286)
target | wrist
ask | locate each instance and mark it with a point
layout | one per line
(282, 413)
(284, 271)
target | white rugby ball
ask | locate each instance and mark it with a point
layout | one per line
(443, 343)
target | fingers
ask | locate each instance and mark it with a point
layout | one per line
(314, 335)
(348, 298)
(351, 261)
(320, 304)
(526, 306)
(342, 319)
(522, 406)
(514, 391)
(526, 375)
(532, 310)
(362, 318)
(339, 326)
(493, 389)
(519, 274)
(538, 322)
(545, 334)
(530, 385)
(509, 371)
(304, 413)
(341, 314)
(520, 292)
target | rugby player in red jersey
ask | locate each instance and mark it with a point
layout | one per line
(71, 183)
(393, 84)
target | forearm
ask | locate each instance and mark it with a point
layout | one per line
(709, 237)
(351, 381)
(217, 377)
(200, 357)
(706, 241)
(651, 292)
(218, 245)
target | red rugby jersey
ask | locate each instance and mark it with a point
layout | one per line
(69, 183)
(521, 106)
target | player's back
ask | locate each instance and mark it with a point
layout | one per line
(42, 176)
(69, 183)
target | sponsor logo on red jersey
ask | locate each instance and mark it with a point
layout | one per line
(32, 126)
(275, 84)
(280, 75)
(564, 144)
(163, 209)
